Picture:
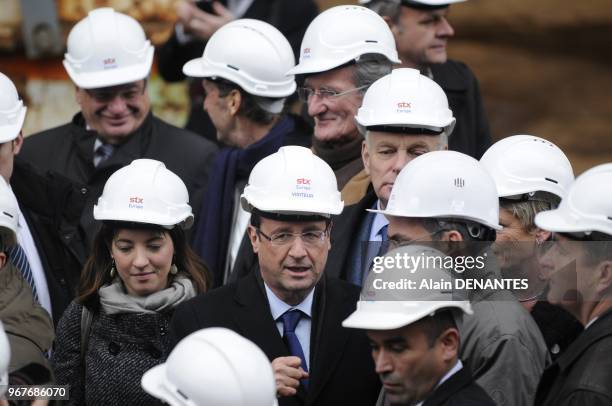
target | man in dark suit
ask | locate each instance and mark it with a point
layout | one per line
(288, 308)
(403, 115)
(414, 334)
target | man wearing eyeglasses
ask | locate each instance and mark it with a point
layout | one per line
(421, 30)
(115, 124)
(288, 307)
(344, 50)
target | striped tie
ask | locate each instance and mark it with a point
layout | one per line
(103, 152)
(18, 257)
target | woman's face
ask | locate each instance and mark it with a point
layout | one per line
(143, 259)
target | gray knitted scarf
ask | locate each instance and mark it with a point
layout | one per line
(114, 299)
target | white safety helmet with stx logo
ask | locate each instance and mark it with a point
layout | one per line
(406, 99)
(12, 110)
(342, 34)
(145, 192)
(107, 48)
(293, 181)
(213, 366)
(390, 309)
(5, 359)
(445, 184)
(586, 208)
(251, 53)
(522, 165)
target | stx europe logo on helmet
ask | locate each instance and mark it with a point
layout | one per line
(306, 53)
(136, 203)
(404, 107)
(302, 185)
(109, 63)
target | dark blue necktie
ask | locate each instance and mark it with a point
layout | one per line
(103, 152)
(18, 257)
(290, 320)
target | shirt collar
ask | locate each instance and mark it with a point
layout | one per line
(278, 307)
(380, 220)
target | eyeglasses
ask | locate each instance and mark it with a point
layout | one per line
(305, 93)
(314, 238)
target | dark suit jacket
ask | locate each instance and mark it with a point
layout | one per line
(471, 134)
(345, 235)
(52, 205)
(341, 367)
(582, 375)
(459, 390)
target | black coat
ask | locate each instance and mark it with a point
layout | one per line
(52, 206)
(290, 17)
(344, 235)
(582, 375)
(459, 390)
(68, 150)
(341, 367)
(471, 134)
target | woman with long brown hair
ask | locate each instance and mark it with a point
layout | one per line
(140, 269)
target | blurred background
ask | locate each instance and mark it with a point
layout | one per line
(545, 66)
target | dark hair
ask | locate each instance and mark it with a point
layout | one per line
(248, 107)
(96, 272)
(434, 326)
(256, 216)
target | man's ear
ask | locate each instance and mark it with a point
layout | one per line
(365, 156)
(234, 100)
(3, 259)
(452, 235)
(604, 277)
(449, 344)
(253, 238)
(18, 143)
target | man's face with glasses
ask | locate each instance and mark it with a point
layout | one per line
(292, 255)
(333, 101)
(115, 112)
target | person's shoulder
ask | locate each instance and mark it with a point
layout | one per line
(339, 286)
(182, 136)
(206, 299)
(453, 74)
(50, 135)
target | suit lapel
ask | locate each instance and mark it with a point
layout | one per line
(328, 337)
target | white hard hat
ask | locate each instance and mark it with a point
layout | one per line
(524, 164)
(12, 110)
(445, 184)
(213, 366)
(388, 309)
(145, 192)
(107, 48)
(293, 181)
(405, 98)
(342, 34)
(9, 212)
(5, 359)
(433, 3)
(587, 207)
(251, 53)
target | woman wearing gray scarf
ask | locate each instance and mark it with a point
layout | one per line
(140, 269)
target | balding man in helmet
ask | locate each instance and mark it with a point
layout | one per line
(288, 307)
(421, 30)
(109, 60)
